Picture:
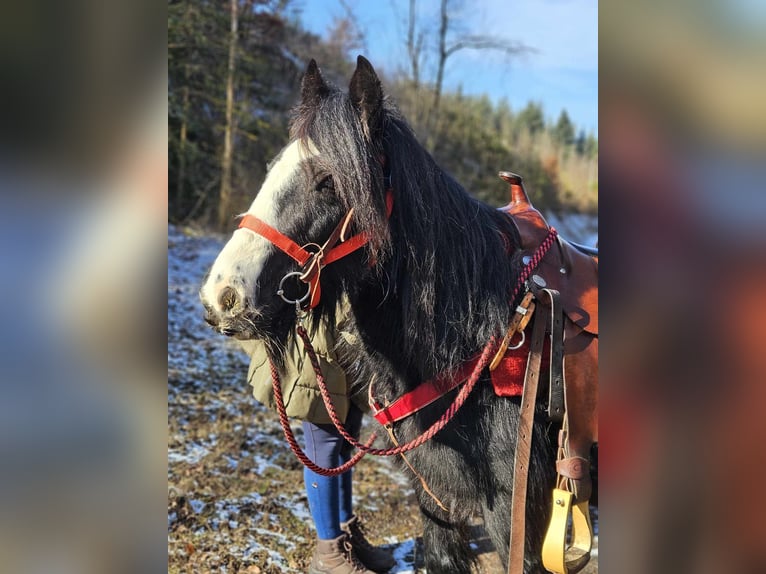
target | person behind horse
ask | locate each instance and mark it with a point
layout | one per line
(342, 547)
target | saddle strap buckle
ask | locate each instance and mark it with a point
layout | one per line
(557, 557)
(518, 323)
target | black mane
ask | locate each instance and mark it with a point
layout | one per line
(445, 268)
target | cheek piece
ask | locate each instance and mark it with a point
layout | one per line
(312, 261)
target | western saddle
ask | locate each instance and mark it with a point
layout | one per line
(569, 275)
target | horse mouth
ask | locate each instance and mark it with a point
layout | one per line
(260, 323)
(240, 327)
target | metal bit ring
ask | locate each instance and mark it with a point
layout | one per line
(281, 291)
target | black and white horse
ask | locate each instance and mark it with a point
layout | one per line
(427, 291)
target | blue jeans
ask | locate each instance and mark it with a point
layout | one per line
(330, 496)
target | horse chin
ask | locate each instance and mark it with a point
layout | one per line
(256, 326)
(246, 335)
(236, 331)
(239, 327)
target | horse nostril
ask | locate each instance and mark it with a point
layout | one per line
(228, 298)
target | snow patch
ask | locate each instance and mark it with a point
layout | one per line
(578, 227)
(197, 506)
(404, 554)
(194, 453)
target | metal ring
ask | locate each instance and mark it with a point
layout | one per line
(523, 338)
(281, 291)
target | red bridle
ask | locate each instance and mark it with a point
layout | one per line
(312, 262)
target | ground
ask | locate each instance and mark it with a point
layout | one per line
(235, 490)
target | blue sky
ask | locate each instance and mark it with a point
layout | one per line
(562, 72)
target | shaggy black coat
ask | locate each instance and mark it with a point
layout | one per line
(428, 293)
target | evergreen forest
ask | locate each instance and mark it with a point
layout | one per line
(234, 71)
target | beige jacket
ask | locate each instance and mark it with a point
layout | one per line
(299, 385)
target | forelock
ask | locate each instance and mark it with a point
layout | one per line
(333, 125)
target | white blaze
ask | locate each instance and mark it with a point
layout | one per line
(241, 261)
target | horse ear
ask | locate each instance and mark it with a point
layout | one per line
(366, 94)
(313, 86)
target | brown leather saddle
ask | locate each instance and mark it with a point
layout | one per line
(572, 271)
(574, 275)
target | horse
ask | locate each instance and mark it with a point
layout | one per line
(429, 282)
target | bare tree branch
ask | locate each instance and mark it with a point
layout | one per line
(465, 42)
(489, 43)
(443, 27)
(359, 40)
(414, 46)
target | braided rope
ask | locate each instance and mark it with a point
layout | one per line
(364, 449)
(297, 450)
(534, 261)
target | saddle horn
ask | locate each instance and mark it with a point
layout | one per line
(519, 197)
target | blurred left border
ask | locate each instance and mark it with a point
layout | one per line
(83, 347)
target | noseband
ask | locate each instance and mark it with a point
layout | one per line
(312, 262)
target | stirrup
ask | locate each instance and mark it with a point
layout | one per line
(557, 558)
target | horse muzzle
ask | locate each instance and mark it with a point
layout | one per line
(232, 315)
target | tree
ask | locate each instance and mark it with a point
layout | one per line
(414, 45)
(580, 143)
(228, 125)
(503, 120)
(563, 131)
(591, 146)
(216, 126)
(194, 56)
(531, 118)
(224, 199)
(448, 48)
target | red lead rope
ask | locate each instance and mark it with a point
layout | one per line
(364, 449)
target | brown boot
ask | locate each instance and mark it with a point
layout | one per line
(373, 558)
(336, 556)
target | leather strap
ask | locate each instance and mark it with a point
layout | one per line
(316, 263)
(280, 240)
(523, 446)
(313, 269)
(574, 467)
(422, 395)
(423, 482)
(518, 323)
(556, 407)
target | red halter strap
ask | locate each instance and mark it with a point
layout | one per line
(278, 239)
(314, 261)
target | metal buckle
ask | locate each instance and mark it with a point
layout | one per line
(520, 343)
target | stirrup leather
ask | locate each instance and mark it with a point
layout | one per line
(559, 558)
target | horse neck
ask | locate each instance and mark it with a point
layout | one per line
(444, 291)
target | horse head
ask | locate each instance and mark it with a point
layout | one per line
(327, 181)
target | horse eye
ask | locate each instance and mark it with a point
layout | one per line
(326, 184)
